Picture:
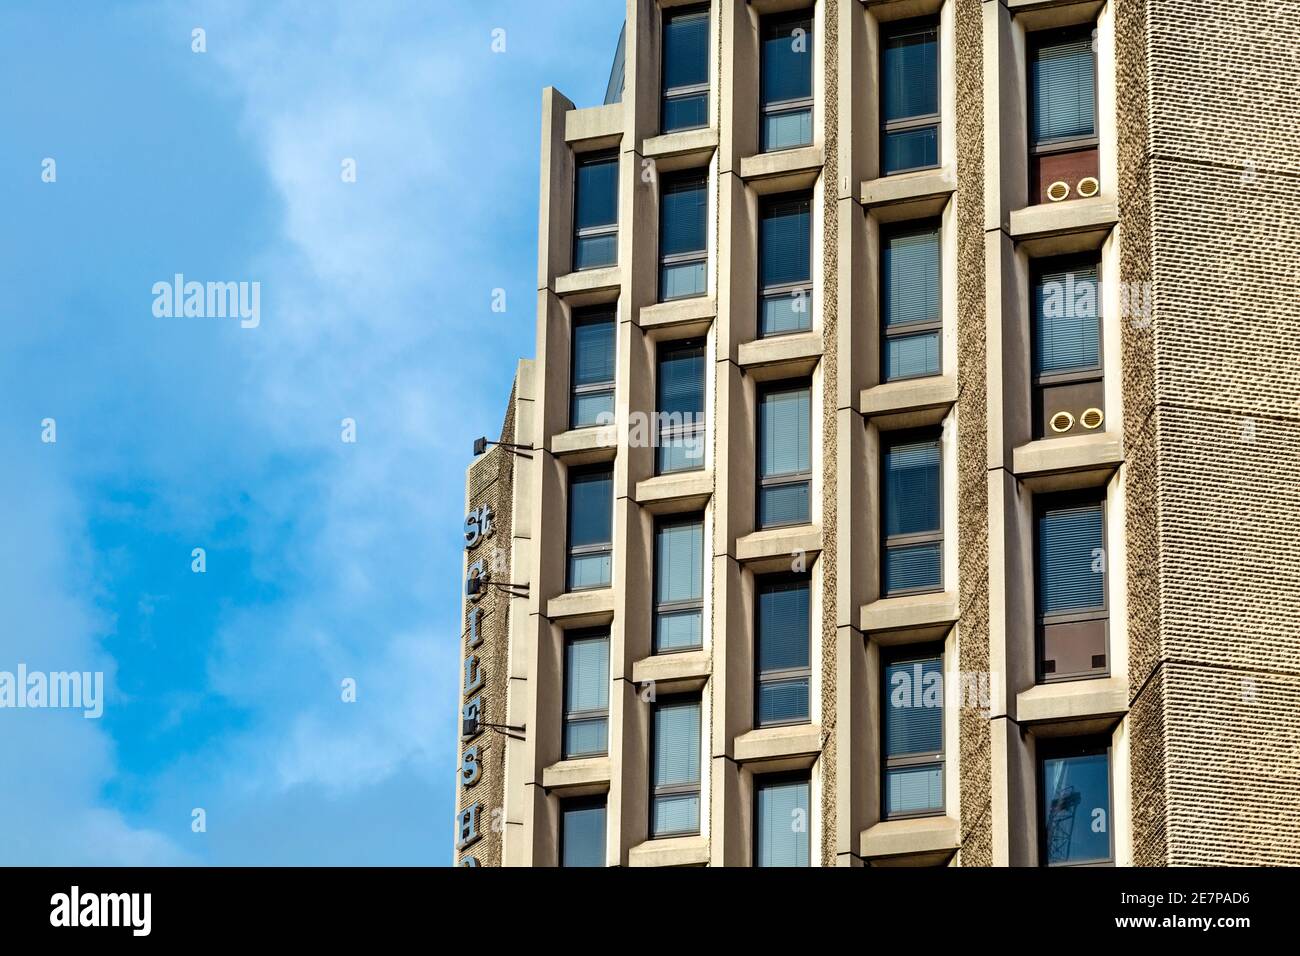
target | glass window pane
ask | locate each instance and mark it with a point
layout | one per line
(787, 59)
(912, 492)
(785, 242)
(909, 75)
(679, 630)
(909, 277)
(1076, 809)
(913, 567)
(785, 312)
(914, 789)
(916, 148)
(914, 707)
(590, 571)
(783, 701)
(593, 349)
(787, 129)
(681, 280)
(586, 737)
(681, 383)
(686, 112)
(781, 823)
(683, 210)
(1071, 565)
(1067, 330)
(592, 252)
(785, 424)
(681, 454)
(586, 676)
(676, 813)
(783, 625)
(686, 49)
(597, 193)
(911, 356)
(584, 835)
(677, 743)
(679, 561)
(1062, 79)
(783, 504)
(591, 507)
(591, 408)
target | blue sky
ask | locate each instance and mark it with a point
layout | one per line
(325, 559)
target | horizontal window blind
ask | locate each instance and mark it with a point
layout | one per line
(912, 492)
(781, 823)
(586, 685)
(679, 630)
(593, 349)
(913, 790)
(787, 59)
(910, 149)
(1069, 548)
(597, 193)
(681, 381)
(677, 743)
(583, 834)
(909, 264)
(785, 242)
(591, 507)
(783, 701)
(1067, 329)
(1062, 80)
(913, 567)
(913, 717)
(684, 205)
(783, 640)
(785, 426)
(911, 356)
(686, 49)
(783, 504)
(679, 557)
(909, 74)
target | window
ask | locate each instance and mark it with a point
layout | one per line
(785, 265)
(784, 454)
(913, 506)
(1070, 559)
(1067, 349)
(686, 70)
(582, 832)
(586, 694)
(913, 721)
(1074, 802)
(910, 304)
(593, 368)
(786, 91)
(675, 803)
(784, 646)
(781, 821)
(680, 400)
(1062, 114)
(683, 244)
(595, 216)
(909, 88)
(591, 518)
(679, 584)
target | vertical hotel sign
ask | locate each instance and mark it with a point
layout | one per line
(478, 526)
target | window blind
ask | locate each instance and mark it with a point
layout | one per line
(1067, 330)
(1069, 545)
(681, 381)
(785, 425)
(587, 676)
(912, 493)
(591, 507)
(909, 264)
(686, 49)
(783, 640)
(910, 75)
(677, 743)
(593, 349)
(683, 209)
(597, 193)
(785, 243)
(680, 560)
(911, 726)
(1062, 77)
(583, 834)
(781, 823)
(787, 59)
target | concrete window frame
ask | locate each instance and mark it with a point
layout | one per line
(893, 30)
(771, 23)
(918, 653)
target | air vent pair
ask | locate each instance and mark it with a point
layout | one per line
(1091, 419)
(1087, 187)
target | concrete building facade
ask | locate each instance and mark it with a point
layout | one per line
(1015, 414)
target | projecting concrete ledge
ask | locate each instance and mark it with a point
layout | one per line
(582, 608)
(914, 403)
(692, 315)
(776, 549)
(580, 446)
(594, 127)
(673, 851)
(795, 747)
(909, 619)
(1078, 706)
(781, 356)
(1062, 464)
(783, 170)
(909, 195)
(672, 494)
(578, 778)
(589, 286)
(1075, 225)
(674, 673)
(673, 151)
(924, 840)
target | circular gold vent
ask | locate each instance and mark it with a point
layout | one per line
(1062, 422)
(1092, 418)
(1058, 190)
(1088, 186)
